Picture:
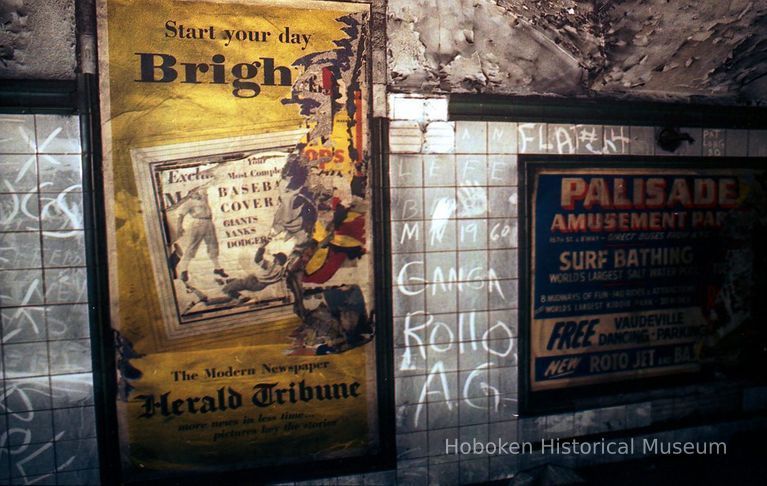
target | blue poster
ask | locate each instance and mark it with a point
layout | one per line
(633, 270)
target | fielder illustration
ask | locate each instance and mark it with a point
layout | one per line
(201, 230)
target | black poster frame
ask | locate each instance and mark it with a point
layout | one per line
(104, 346)
(619, 391)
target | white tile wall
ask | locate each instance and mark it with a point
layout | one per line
(47, 419)
(454, 212)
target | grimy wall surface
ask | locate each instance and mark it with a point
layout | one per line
(639, 49)
(642, 49)
(37, 40)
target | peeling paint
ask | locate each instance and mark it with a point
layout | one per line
(686, 48)
(411, 53)
(646, 49)
(37, 39)
(14, 34)
(492, 46)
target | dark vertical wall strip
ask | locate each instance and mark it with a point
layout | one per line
(102, 343)
(379, 177)
(85, 30)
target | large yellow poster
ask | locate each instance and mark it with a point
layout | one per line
(238, 230)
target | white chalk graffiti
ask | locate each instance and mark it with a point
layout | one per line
(21, 320)
(423, 331)
(63, 209)
(571, 139)
(67, 285)
(461, 279)
(19, 206)
(443, 210)
(473, 200)
(410, 231)
(532, 138)
(28, 449)
(444, 329)
(27, 443)
(714, 142)
(616, 141)
(32, 291)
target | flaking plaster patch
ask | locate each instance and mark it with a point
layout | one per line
(709, 50)
(37, 40)
(487, 46)
(410, 56)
